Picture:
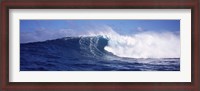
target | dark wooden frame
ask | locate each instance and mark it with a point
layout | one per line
(100, 4)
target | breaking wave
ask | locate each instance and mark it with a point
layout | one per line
(139, 45)
(142, 45)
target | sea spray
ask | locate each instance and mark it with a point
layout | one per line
(142, 44)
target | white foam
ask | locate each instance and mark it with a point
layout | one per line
(142, 45)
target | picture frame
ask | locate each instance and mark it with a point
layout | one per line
(113, 4)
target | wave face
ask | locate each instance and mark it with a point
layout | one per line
(70, 46)
(95, 53)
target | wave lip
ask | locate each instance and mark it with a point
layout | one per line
(94, 46)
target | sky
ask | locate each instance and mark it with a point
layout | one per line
(40, 30)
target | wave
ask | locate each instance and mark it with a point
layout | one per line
(109, 43)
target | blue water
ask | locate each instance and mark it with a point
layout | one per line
(85, 54)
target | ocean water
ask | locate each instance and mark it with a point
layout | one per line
(86, 54)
